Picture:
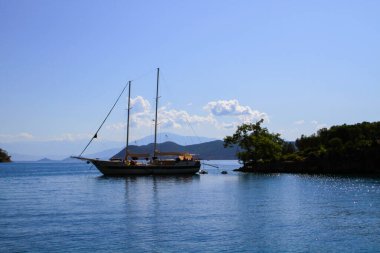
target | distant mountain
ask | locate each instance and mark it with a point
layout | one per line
(213, 150)
(106, 154)
(170, 137)
(22, 158)
(58, 150)
(45, 160)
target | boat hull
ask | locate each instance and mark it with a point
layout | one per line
(112, 168)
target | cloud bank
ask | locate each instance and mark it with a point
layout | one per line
(222, 114)
(234, 108)
(24, 136)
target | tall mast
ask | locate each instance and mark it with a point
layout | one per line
(129, 110)
(155, 120)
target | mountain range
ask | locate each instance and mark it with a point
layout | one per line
(58, 150)
(170, 137)
(213, 150)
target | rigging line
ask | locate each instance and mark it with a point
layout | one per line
(96, 134)
(189, 124)
(195, 134)
(211, 165)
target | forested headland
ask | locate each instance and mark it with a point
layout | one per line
(346, 149)
(4, 157)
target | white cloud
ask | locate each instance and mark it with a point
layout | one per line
(227, 107)
(27, 136)
(176, 119)
(142, 119)
(234, 108)
(299, 122)
(116, 126)
(314, 122)
(224, 125)
(140, 105)
(70, 137)
(142, 115)
(21, 137)
(318, 125)
(24, 136)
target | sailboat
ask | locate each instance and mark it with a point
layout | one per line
(161, 163)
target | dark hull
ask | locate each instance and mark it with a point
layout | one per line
(111, 168)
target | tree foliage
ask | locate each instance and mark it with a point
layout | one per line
(341, 149)
(4, 157)
(256, 143)
(342, 142)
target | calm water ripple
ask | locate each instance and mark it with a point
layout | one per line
(58, 207)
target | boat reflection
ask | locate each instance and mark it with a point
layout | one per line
(156, 178)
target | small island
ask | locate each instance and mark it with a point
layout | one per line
(344, 149)
(4, 157)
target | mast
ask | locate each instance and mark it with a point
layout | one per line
(155, 120)
(129, 109)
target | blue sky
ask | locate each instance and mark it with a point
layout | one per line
(301, 65)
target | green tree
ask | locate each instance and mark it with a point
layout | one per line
(256, 143)
(4, 157)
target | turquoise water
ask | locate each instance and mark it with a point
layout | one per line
(58, 207)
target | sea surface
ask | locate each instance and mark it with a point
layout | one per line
(71, 207)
